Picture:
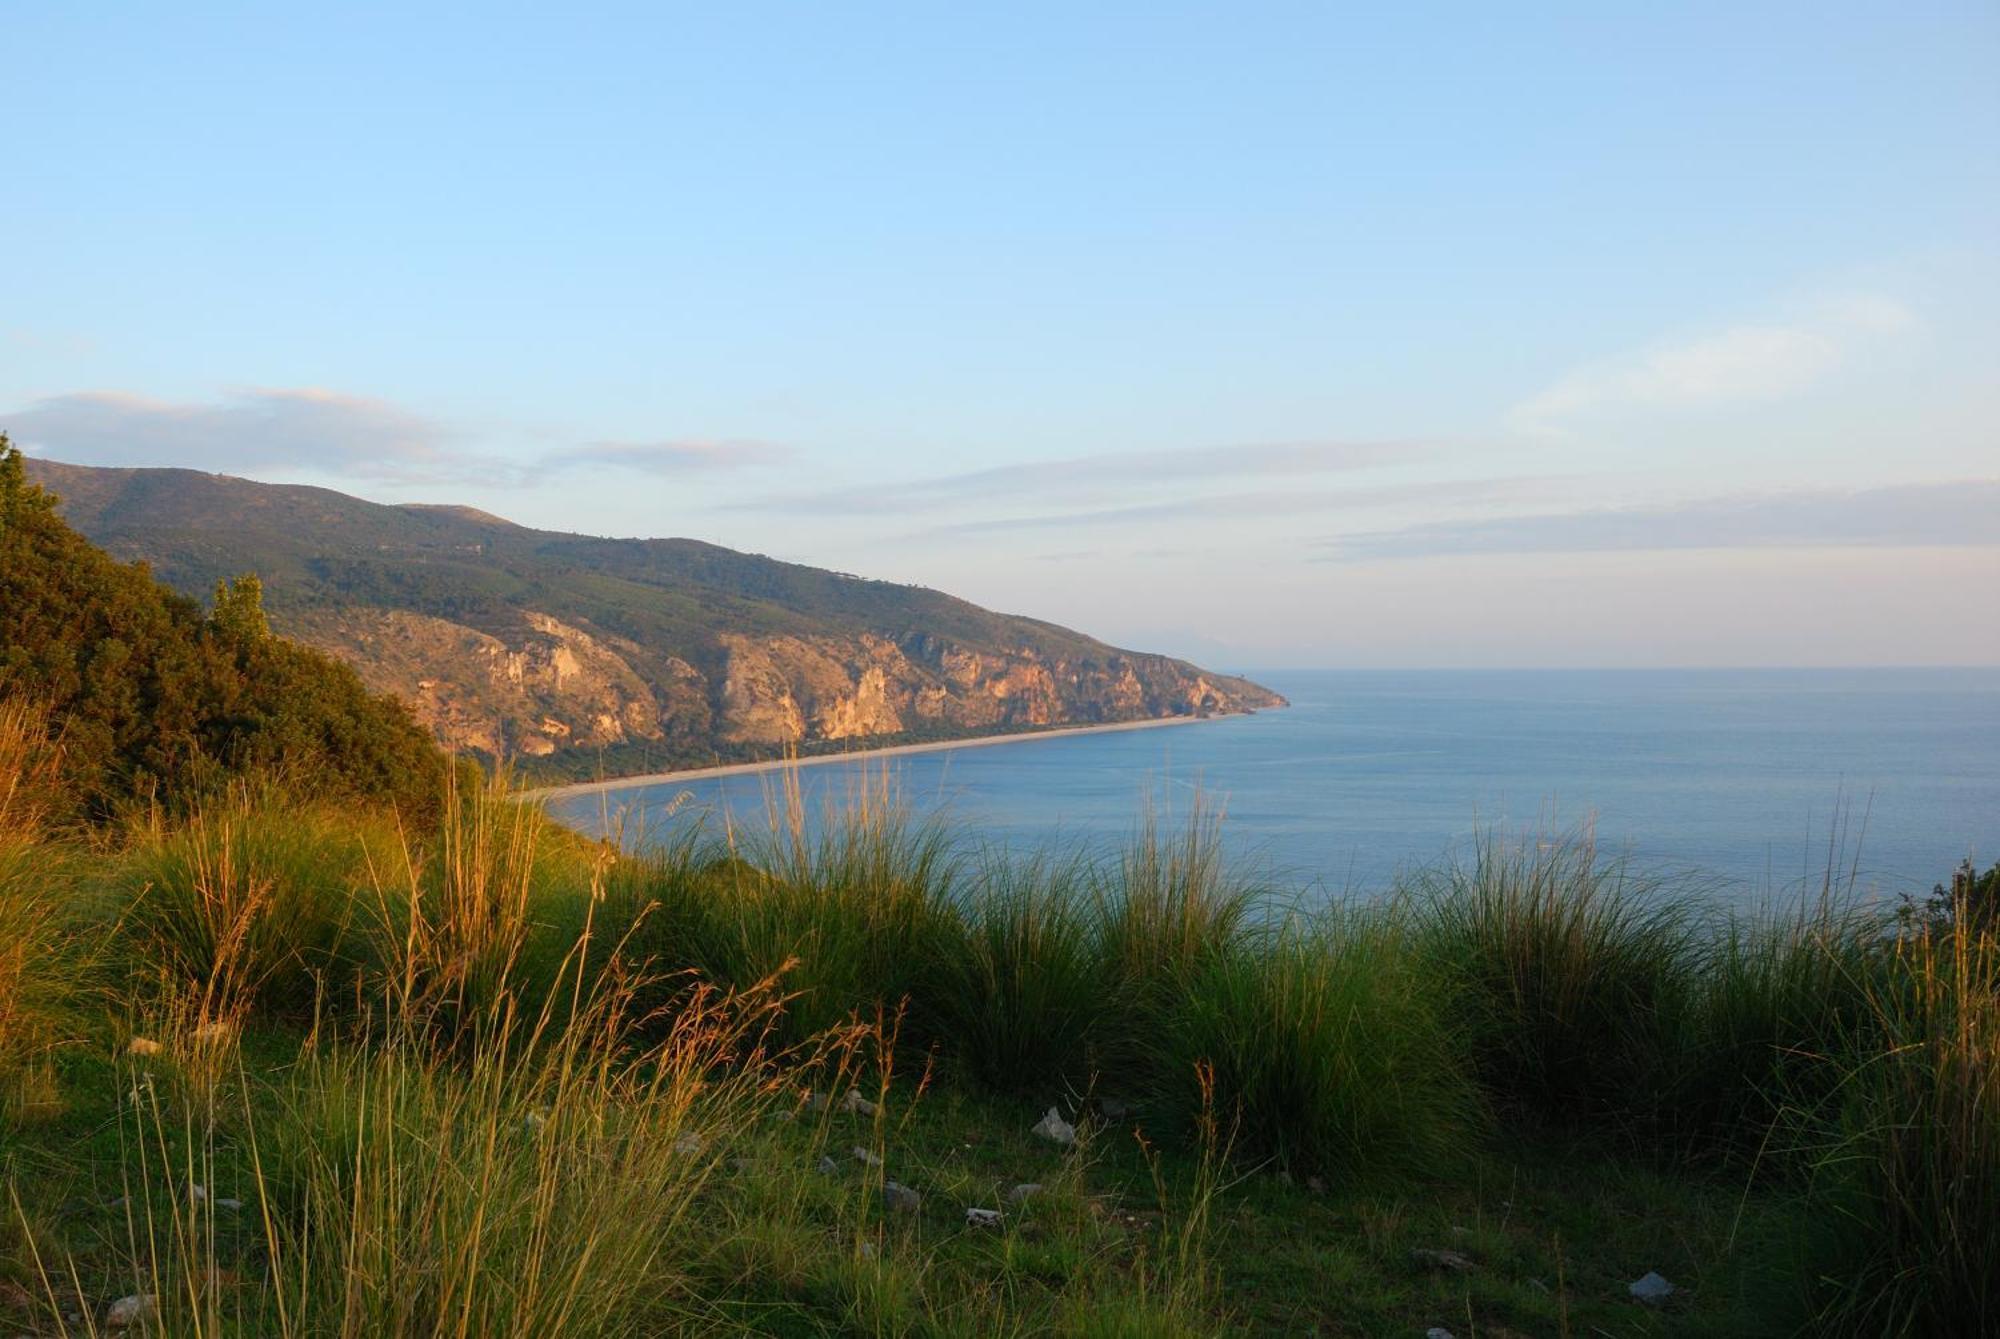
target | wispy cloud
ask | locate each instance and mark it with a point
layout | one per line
(669, 457)
(1072, 477)
(1742, 364)
(250, 429)
(1904, 516)
(1268, 503)
(329, 432)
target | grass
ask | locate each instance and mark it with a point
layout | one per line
(490, 1078)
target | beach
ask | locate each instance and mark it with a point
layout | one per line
(578, 788)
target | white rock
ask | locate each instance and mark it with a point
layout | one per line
(1055, 1129)
(199, 1193)
(855, 1104)
(142, 1046)
(865, 1157)
(213, 1034)
(1652, 1289)
(1437, 1332)
(986, 1218)
(827, 1166)
(1024, 1192)
(134, 1310)
(690, 1144)
(231, 1205)
(899, 1198)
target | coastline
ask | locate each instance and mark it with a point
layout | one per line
(578, 788)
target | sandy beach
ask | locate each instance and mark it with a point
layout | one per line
(857, 755)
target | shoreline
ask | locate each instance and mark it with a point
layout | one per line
(574, 789)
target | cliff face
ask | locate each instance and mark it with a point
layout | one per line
(553, 687)
(573, 653)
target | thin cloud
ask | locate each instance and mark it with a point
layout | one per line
(1262, 504)
(1065, 478)
(1903, 516)
(255, 429)
(1743, 364)
(330, 432)
(668, 457)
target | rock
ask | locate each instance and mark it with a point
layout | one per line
(1024, 1192)
(1316, 1184)
(867, 1250)
(1055, 1129)
(536, 1121)
(143, 1046)
(899, 1198)
(855, 1104)
(137, 1309)
(865, 1157)
(983, 1218)
(1652, 1289)
(199, 1193)
(815, 1101)
(1112, 1109)
(1437, 1332)
(742, 1166)
(690, 1144)
(234, 1206)
(1446, 1260)
(827, 1166)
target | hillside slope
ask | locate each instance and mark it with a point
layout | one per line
(577, 653)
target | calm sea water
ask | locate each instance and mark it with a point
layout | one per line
(1743, 776)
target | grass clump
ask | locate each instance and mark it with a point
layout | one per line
(1906, 1187)
(253, 904)
(1566, 978)
(1325, 1048)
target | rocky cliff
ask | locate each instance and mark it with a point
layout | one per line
(573, 653)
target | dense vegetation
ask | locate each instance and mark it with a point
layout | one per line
(152, 697)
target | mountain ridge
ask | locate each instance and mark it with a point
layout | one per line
(573, 653)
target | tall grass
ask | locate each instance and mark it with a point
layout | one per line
(1907, 1186)
(1567, 976)
(1023, 998)
(252, 903)
(39, 960)
(1322, 1043)
(510, 1034)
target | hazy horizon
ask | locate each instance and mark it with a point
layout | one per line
(1276, 337)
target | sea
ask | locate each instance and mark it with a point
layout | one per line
(1752, 784)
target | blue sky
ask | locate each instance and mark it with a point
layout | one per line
(1590, 335)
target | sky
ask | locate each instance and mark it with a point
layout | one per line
(1271, 335)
